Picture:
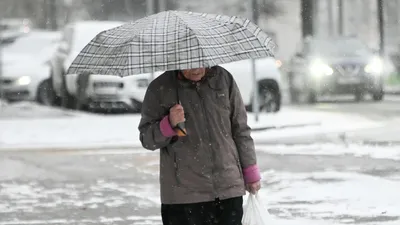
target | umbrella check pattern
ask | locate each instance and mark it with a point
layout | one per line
(172, 40)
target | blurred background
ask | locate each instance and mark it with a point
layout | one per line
(289, 22)
(282, 18)
(326, 128)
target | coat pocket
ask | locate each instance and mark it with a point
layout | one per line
(220, 97)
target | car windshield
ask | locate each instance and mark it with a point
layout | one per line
(339, 47)
(24, 45)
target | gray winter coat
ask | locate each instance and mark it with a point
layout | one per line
(207, 163)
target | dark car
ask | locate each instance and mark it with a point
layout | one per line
(335, 66)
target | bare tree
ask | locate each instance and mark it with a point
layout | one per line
(115, 9)
(307, 8)
(266, 8)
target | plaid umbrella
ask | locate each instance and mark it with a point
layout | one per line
(172, 40)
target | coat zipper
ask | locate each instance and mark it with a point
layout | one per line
(176, 170)
(209, 137)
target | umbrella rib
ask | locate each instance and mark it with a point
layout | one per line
(192, 31)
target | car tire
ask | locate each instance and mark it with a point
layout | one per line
(45, 94)
(57, 99)
(82, 100)
(269, 98)
(378, 96)
(67, 101)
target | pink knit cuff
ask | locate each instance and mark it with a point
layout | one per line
(251, 174)
(166, 128)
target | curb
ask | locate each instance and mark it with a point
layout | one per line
(55, 149)
(67, 149)
(392, 92)
(380, 143)
(285, 126)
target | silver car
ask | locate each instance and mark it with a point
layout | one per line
(335, 66)
(25, 72)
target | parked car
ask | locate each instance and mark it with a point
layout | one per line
(102, 91)
(8, 37)
(20, 25)
(25, 68)
(136, 87)
(268, 79)
(269, 83)
(334, 66)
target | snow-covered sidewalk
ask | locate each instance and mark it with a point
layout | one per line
(28, 126)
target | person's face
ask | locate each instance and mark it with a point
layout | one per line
(194, 74)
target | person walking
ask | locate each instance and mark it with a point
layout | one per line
(207, 165)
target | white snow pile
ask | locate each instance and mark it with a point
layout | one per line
(332, 196)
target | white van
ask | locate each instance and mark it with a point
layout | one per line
(268, 77)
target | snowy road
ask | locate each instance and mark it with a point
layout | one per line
(121, 187)
(343, 169)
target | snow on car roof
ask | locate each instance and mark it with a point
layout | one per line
(33, 42)
(85, 31)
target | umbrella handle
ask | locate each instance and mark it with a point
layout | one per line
(180, 129)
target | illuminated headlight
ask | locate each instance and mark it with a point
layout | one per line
(375, 66)
(24, 80)
(319, 68)
(278, 63)
(142, 83)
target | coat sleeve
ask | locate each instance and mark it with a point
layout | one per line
(241, 132)
(153, 115)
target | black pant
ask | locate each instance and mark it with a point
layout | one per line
(218, 212)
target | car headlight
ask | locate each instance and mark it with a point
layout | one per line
(278, 63)
(375, 66)
(319, 68)
(142, 83)
(24, 80)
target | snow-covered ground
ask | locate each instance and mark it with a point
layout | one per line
(330, 195)
(327, 197)
(29, 126)
(332, 149)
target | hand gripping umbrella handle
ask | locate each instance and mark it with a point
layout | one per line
(180, 127)
(181, 130)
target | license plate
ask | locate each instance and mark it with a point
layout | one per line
(106, 90)
(349, 80)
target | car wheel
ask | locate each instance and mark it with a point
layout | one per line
(56, 99)
(67, 101)
(82, 100)
(268, 100)
(45, 94)
(378, 96)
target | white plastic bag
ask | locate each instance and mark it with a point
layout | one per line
(255, 212)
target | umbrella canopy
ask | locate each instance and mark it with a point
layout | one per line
(172, 40)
